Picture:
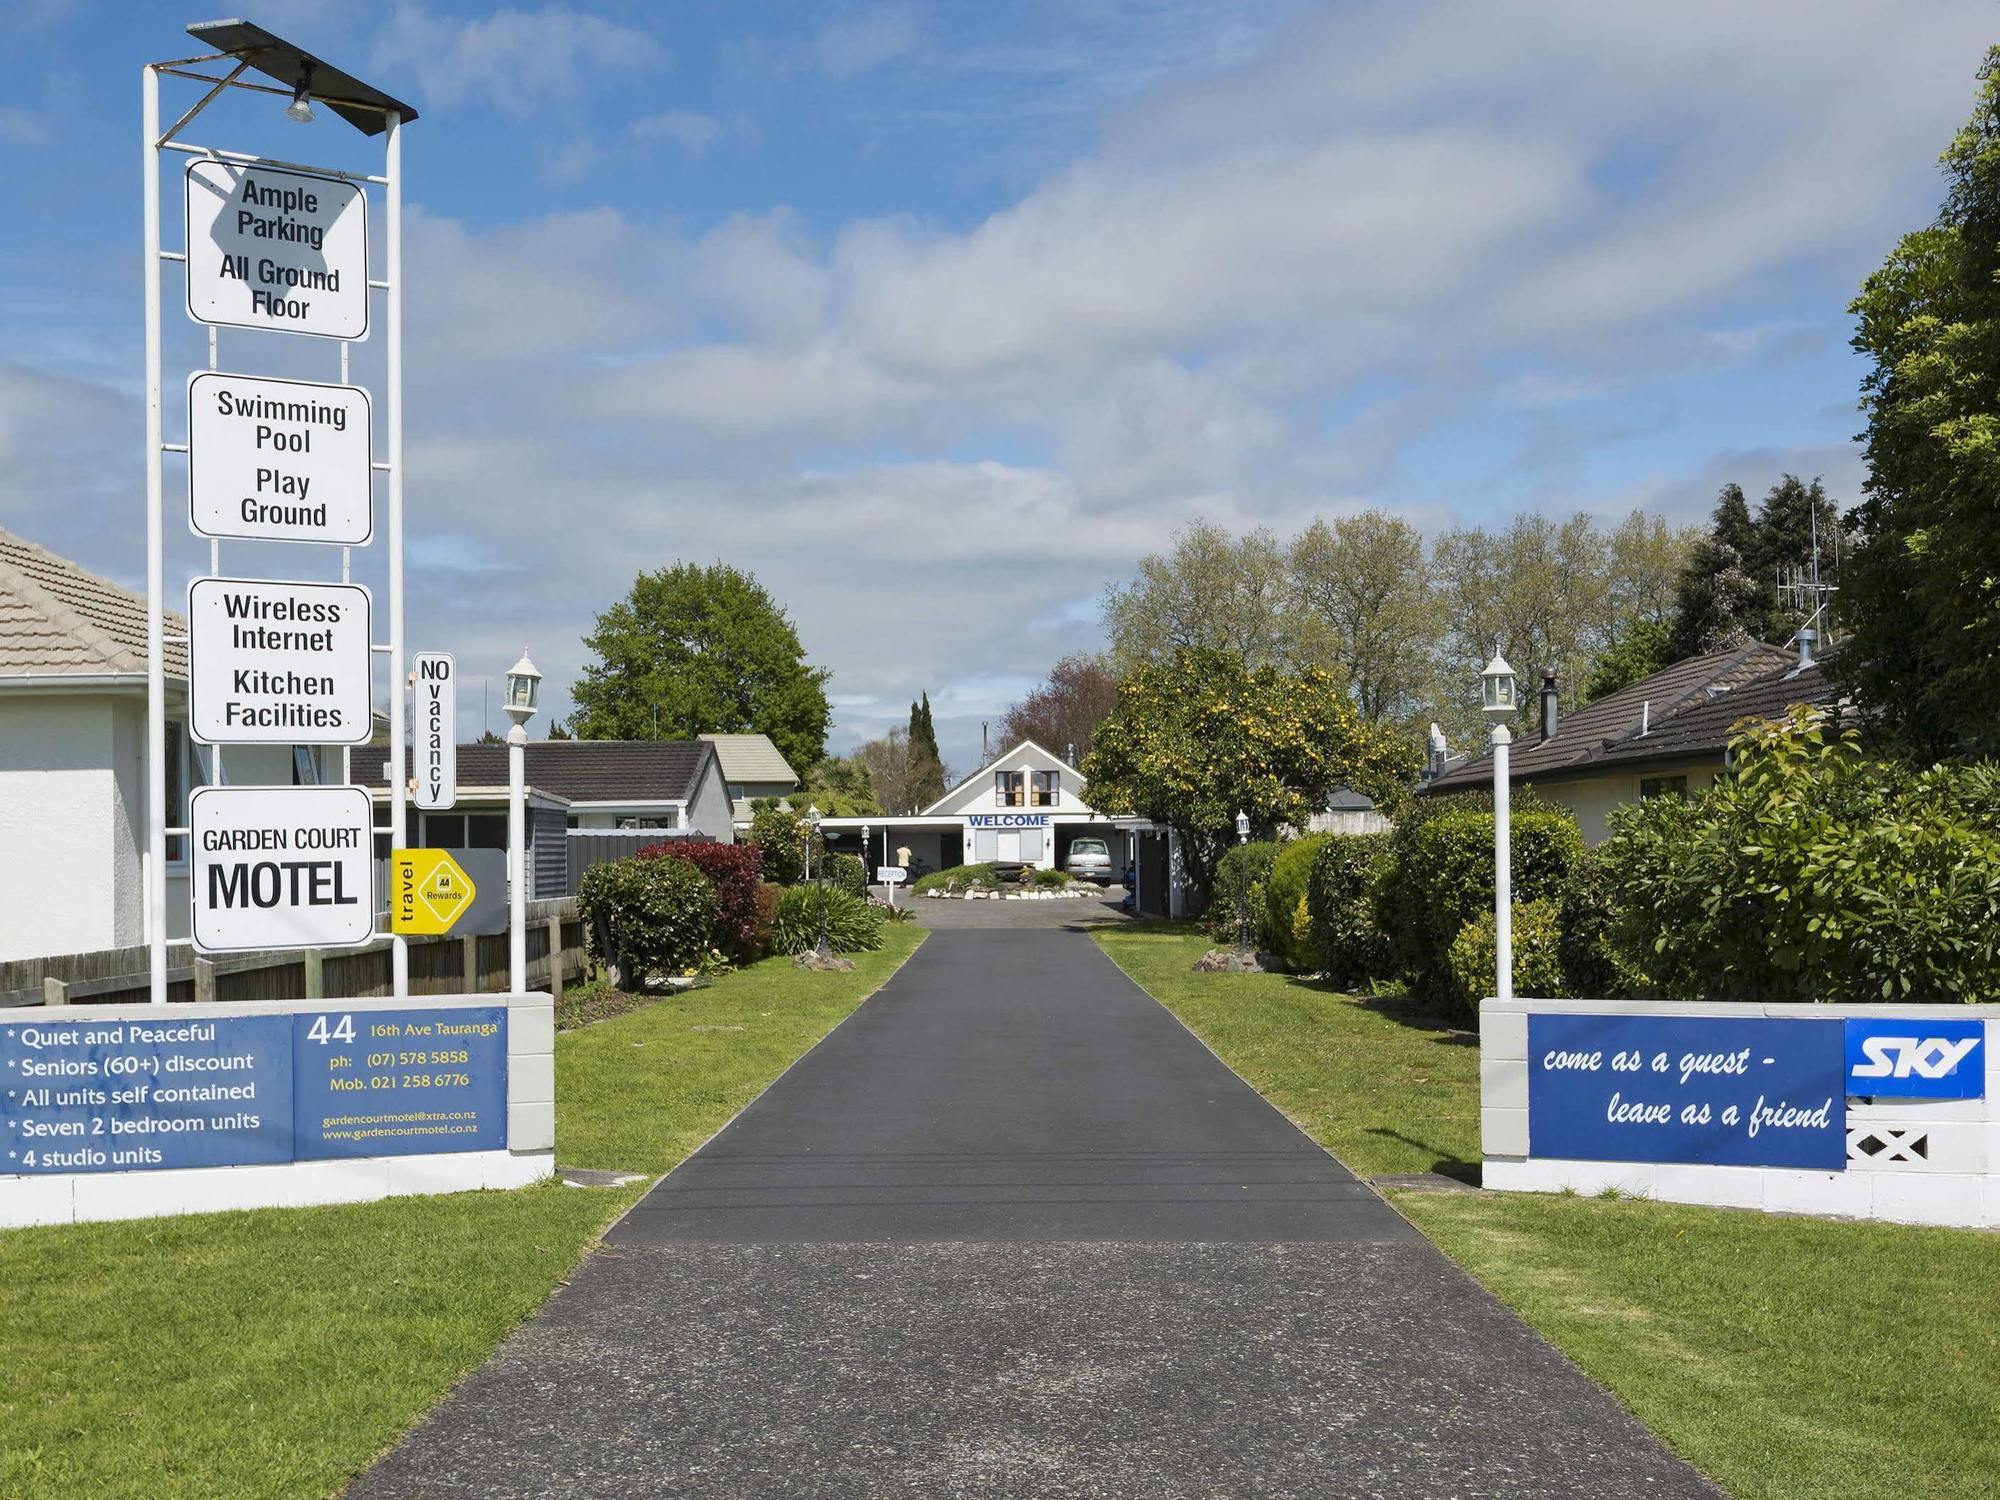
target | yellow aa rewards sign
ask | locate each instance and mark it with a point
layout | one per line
(433, 891)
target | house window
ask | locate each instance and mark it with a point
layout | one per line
(1662, 786)
(1047, 789)
(669, 821)
(488, 831)
(1009, 788)
(185, 771)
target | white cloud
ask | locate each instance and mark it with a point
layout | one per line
(693, 133)
(855, 42)
(513, 60)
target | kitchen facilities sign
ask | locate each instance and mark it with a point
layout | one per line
(281, 867)
(435, 678)
(278, 663)
(278, 460)
(276, 249)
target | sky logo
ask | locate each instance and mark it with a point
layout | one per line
(1920, 1059)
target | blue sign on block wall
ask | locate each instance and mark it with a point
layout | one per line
(400, 1082)
(205, 1088)
(124, 1096)
(1724, 1091)
(1916, 1059)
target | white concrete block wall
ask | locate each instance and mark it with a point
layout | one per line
(530, 1155)
(1956, 1181)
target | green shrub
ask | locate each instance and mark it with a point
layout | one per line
(1812, 871)
(852, 925)
(1537, 968)
(769, 894)
(959, 876)
(1238, 891)
(1592, 967)
(846, 871)
(1284, 895)
(648, 916)
(782, 835)
(1443, 876)
(1051, 879)
(1348, 946)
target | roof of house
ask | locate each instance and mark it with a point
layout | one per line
(588, 770)
(56, 620)
(751, 757)
(1684, 710)
(1005, 755)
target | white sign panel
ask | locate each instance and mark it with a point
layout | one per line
(436, 718)
(268, 247)
(278, 663)
(281, 867)
(891, 874)
(279, 460)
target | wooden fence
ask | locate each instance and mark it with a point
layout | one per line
(438, 966)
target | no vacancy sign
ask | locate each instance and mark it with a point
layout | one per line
(271, 248)
(278, 460)
(281, 867)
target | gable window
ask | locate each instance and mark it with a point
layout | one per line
(1047, 789)
(1009, 788)
(1663, 786)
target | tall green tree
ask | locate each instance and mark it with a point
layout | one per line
(1921, 594)
(927, 773)
(1728, 593)
(1211, 591)
(1202, 735)
(694, 650)
(840, 787)
(1362, 602)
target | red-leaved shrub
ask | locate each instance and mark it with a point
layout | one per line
(735, 870)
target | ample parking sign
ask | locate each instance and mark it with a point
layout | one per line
(271, 248)
(281, 867)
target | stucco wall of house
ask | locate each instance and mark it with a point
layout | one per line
(58, 810)
(1592, 798)
(710, 809)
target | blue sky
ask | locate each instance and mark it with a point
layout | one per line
(937, 316)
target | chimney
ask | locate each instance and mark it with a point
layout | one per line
(1549, 710)
(1807, 635)
(1069, 753)
(985, 751)
(1439, 752)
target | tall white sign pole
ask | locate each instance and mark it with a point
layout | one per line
(399, 957)
(154, 865)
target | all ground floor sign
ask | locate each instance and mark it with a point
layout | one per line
(199, 1087)
(281, 867)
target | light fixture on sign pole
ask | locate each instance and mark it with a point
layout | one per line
(524, 691)
(813, 816)
(1497, 702)
(1243, 828)
(301, 108)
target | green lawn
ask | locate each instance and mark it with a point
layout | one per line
(275, 1353)
(1784, 1357)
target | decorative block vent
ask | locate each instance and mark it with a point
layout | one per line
(1889, 1143)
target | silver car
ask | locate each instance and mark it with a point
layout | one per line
(1089, 859)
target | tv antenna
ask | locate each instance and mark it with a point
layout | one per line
(1803, 589)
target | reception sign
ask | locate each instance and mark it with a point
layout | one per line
(1725, 1091)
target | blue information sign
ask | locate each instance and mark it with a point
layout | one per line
(210, 1089)
(1916, 1059)
(400, 1082)
(1724, 1091)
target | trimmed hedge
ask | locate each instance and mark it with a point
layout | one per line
(1442, 877)
(1348, 945)
(769, 894)
(848, 872)
(1475, 960)
(648, 916)
(1239, 878)
(782, 835)
(961, 875)
(852, 925)
(734, 870)
(1285, 925)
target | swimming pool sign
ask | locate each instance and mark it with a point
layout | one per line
(278, 460)
(271, 248)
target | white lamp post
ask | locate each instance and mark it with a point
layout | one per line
(813, 816)
(524, 691)
(1497, 702)
(1243, 828)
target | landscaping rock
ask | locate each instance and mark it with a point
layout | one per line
(1236, 961)
(831, 963)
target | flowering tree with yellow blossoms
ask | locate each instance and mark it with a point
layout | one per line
(1194, 739)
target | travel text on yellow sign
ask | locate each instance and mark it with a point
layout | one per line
(428, 891)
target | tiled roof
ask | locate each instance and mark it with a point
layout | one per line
(1705, 727)
(1589, 735)
(585, 770)
(751, 757)
(58, 620)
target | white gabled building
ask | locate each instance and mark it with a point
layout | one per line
(73, 759)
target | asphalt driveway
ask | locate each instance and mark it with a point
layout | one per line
(1012, 1231)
